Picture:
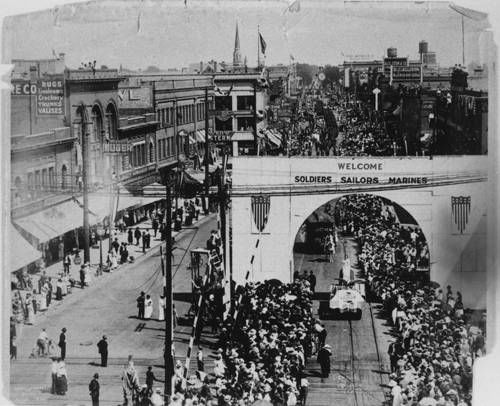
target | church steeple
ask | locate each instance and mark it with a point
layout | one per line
(236, 52)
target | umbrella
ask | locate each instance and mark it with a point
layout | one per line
(434, 285)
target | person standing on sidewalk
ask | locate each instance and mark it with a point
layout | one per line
(144, 242)
(62, 343)
(155, 225)
(103, 350)
(137, 235)
(82, 276)
(130, 237)
(67, 264)
(94, 390)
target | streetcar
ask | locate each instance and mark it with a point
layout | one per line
(346, 301)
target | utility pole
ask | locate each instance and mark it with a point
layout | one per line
(207, 150)
(169, 362)
(255, 139)
(85, 156)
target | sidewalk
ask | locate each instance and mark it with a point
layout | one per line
(55, 270)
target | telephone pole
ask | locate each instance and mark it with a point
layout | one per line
(85, 172)
(207, 150)
(169, 362)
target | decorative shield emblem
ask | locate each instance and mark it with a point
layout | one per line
(260, 210)
(460, 210)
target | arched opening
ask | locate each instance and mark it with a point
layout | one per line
(371, 231)
(97, 125)
(111, 121)
(151, 152)
(64, 174)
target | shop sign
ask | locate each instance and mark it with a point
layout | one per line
(222, 136)
(116, 147)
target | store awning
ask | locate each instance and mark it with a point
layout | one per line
(134, 202)
(54, 221)
(242, 136)
(22, 253)
(191, 139)
(101, 205)
(200, 135)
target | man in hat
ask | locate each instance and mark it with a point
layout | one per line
(62, 343)
(82, 276)
(94, 390)
(324, 361)
(103, 350)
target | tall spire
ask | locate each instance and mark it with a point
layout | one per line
(236, 52)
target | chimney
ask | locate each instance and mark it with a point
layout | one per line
(201, 66)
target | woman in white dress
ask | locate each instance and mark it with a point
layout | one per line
(148, 307)
(112, 260)
(161, 308)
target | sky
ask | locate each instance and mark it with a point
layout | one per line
(167, 34)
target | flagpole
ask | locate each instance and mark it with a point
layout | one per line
(258, 47)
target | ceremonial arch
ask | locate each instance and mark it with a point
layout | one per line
(447, 197)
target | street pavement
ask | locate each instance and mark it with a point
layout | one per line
(108, 307)
(359, 362)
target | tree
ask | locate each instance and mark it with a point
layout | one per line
(152, 68)
(306, 72)
(332, 73)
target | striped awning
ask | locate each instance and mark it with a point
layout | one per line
(200, 135)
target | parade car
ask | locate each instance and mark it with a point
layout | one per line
(346, 300)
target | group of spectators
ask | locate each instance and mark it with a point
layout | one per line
(362, 132)
(262, 350)
(436, 341)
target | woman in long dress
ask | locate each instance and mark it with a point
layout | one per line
(59, 289)
(29, 310)
(161, 308)
(61, 379)
(148, 307)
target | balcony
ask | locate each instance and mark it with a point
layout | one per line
(49, 138)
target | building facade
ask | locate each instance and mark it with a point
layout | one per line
(241, 101)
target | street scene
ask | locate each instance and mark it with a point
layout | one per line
(248, 206)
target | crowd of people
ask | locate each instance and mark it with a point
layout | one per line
(362, 132)
(436, 340)
(262, 350)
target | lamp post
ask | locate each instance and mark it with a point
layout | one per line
(100, 233)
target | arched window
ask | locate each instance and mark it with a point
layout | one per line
(111, 121)
(64, 174)
(97, 124)
(151, 152)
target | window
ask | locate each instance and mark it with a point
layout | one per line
(245, 123)
(45, 179)
(38, 181)
(151, 152)
(64, 174)
(245, 102)
(223, 103)
(221, 125)
(52, 180)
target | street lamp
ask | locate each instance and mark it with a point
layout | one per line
(100, 233)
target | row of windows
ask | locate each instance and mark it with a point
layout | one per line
(42, 179)
(166, 148)
(185, 114)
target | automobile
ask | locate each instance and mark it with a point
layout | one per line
(346, 300)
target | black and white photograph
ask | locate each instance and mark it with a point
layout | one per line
(249, 203)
